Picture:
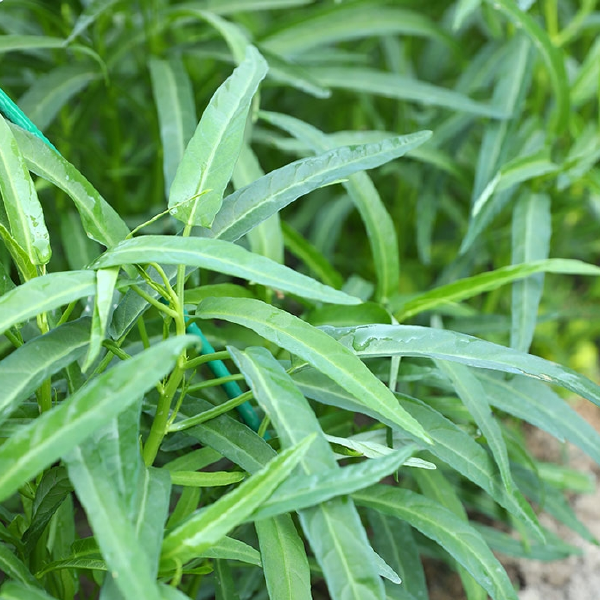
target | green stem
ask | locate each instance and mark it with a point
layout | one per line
(201, 360)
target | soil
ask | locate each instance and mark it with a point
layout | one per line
(574, 578)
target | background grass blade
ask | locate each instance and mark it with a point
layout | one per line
(21, 375)
(59, 430)
(531, 231)
(485, 282)
(207, 164)
(250, 205)
(23, 208)
(333, 528)
(174, 98)
(312, 345)
(42, 294)
(223, 257)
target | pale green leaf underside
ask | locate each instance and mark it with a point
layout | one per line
(43, 294)
(406, 340)
(252, 204)
(222, 257)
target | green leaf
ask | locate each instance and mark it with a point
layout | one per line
(226, 7)
(315, 347)
(174, 98)
(100, 221)
(250, 205)
(333, 528)
(531, 231)
(401, 87)
(403, 340)
(450, 443)
(13, 568)
(381, 231)
(121, 548)
(25, 266)
(11, 43)
(103, 304)
(284, 560)
(266, 238)
(224, 584)
(308, 490)
(194, 479)
(56, 432)
(43, 294)
(23, 208)
(23, 371)
(551, 54)
(344, 23)
(44, 99)
(456, 536)
(232, 549)
(90, 13)
(207, 163)
(80, 250)
(223, 257)
(207, 527)
(394, 540)
(12, 590)
(49, 495)
(486, 282)
(534, 402)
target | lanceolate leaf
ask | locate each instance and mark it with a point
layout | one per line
(26, 368)
(174, 98)
(223, 257)
(250, 205)
(208, 161)
(207, 527)
(333, 528)
(461, 540)
(486, 282)
(378, 223)
(100, 221)
(42, 294)
(59, 430)
(531, 232)
(312, 345)
(403, 340)
(22, 206)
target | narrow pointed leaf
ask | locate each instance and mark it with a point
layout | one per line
(531, 232)
(207, 527)
(100, 221)
(463, 542)
(208, 161)
(284, 560)
(381, 231)
(309, 490)
(59, 430)
(42, 294)
(333, 528)
(174, 98)
(23, 371)
(22, 205)
(403, 340)
(312, 345)
(223, 257)
(486, 282)
(252, 204)
(401, 87)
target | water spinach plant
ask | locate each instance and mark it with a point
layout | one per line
(236, 365)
